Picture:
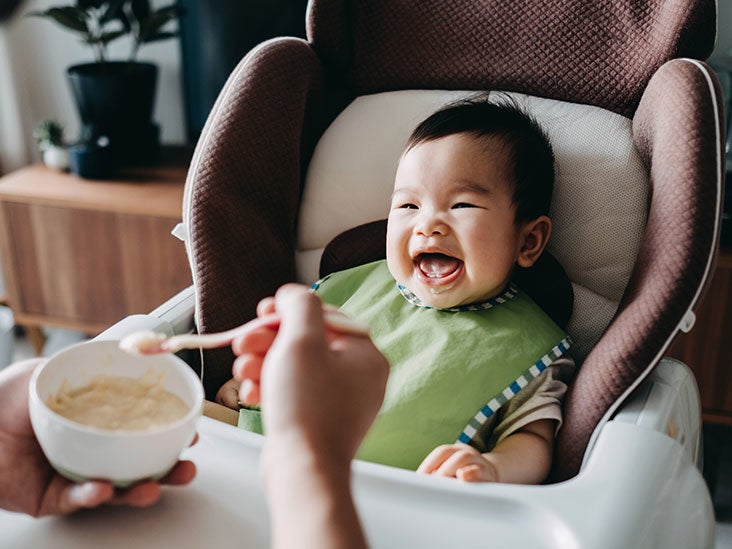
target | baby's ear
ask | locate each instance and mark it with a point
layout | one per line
(534, 237)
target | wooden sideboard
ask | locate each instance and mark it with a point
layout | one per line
(83, 254)
(707, 349)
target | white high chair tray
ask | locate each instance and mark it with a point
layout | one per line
(225, 505)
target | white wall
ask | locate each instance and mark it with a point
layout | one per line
(34, 55)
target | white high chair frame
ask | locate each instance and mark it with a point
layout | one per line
(639, 486)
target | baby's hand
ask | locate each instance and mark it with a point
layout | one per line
(461, 461)
(228, 394)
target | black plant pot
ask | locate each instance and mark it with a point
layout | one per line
(116, 100)
(214, 38)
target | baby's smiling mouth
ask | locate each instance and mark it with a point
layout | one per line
(437, 268)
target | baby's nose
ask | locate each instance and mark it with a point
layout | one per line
(430, 224)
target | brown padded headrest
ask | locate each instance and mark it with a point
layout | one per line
(594, 53)
(546, 282)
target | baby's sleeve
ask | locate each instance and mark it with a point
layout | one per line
(540, 399)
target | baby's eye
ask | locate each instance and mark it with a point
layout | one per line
(408, 206)
(463, 205)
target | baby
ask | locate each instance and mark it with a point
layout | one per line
(478, 370)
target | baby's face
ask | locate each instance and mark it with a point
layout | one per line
(451, 236)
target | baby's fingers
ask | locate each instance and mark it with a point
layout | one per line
(484, 472)
(228, 394)
(446, 460)
(463, 457)
(436, 458)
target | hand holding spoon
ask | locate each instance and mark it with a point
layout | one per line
(148, 343)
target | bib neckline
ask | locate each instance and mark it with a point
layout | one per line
(509, 293)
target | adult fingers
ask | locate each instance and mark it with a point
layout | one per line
(247, 367)
(147, 493)
(139, 495)
(183, 473)
(266, 306)
(256, 341)
(63, 497)
(250, 393)
(301, 312)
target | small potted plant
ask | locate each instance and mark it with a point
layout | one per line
(49, 136)
(116, 98)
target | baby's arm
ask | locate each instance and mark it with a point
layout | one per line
(524, 457)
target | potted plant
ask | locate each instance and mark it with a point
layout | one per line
(116, 98)
(49, 136)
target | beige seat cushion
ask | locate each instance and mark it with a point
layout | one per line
(599, 204)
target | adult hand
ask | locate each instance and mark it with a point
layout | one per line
(28, 483)
(319, 387)
(320, 393)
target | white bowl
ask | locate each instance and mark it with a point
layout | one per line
(80, 452)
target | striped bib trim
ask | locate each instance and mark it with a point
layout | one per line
(510, 293)
(470, 431)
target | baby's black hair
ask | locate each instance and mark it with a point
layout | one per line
(529, 150)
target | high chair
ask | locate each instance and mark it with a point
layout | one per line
(302, 146)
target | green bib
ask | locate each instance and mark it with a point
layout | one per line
(451, 369)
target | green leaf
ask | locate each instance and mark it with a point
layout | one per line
(114, 11)
(158, 19)
(107, 37)
(49, 132)
(68, 17)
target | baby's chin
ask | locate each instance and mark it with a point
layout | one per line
(449, 296)
(438, 297)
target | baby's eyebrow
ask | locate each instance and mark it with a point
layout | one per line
(398, 190)
(472, 187)
(462, 186)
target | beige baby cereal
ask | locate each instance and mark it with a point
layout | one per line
(119, 403)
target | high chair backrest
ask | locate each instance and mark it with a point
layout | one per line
(636, 206)
(598, 208)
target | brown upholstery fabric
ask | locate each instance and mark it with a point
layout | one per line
(246, 175)
(546, 282)
(683, 155)
(245, 182)
(357, 246)
(596, 53)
